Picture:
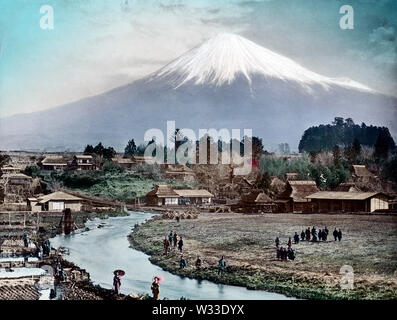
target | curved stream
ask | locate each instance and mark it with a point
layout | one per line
(102, 250)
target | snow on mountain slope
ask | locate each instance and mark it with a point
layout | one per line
(222, 58)
(228, 82)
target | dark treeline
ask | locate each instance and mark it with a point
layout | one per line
(343, 133)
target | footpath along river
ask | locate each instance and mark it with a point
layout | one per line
(102, 250)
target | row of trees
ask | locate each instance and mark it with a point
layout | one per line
(100, 150)
(344, 133)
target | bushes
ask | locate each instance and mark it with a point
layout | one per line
(78, 180)
(326, 176)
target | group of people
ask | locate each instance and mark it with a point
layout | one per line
(43, 249)
(316, 236)
(283, 253)
(171, 241)
(309, 235)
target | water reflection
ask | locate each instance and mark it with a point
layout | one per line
(102, 250)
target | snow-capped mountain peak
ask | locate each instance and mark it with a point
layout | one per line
(222, 58)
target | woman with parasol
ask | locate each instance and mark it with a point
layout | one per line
(117, 280)
(156, 287)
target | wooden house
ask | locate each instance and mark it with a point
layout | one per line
(294, 198)
(256, 201)
(360, 173)
(340, 201)
(162, 195)
(194, 197)
(82, 162)
(54, 163)
(56, 201)
(10, 169)
(179, 172)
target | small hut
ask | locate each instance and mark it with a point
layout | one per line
(162, 195)
(257, 201)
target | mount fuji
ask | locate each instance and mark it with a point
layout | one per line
(226, 82)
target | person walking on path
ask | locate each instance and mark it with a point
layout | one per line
(166, 245)
(340, 235)
(198, 263)
(222, 265)
(156, 288)
(289, 243)
(277, 241)
(303, 235)
(308, 234)
(296, 238)
(170, 238)
(180, 244)
(335, 234)
(182, 263)
(26, 240)
(116, 283)
(175, 240)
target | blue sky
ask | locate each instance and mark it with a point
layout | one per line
(97, 45)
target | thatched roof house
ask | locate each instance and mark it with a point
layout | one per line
(360, 173)
(347, 187)
(294, 198)
(256, 197)
(300, 189)
(255, 201)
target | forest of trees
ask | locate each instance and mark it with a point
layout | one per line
(343, 133)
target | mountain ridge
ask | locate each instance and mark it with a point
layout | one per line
(276, 109)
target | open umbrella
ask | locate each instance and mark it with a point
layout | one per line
(119, 272)
(160, 278)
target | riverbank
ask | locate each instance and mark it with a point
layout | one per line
(247, 242)
(73, 289)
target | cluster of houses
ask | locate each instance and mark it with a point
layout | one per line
(303, 196)
(79, 162)
(299, 196)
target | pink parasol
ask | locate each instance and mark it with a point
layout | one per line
(160, 278)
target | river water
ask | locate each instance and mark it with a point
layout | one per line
(102, 250)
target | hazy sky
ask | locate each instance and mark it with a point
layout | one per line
(97, 45)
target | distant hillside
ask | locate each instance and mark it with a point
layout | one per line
(342, 133)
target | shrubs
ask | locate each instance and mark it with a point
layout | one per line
(326, 176)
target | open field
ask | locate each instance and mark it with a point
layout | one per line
(247, 241)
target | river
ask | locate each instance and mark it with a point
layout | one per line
(102, 250)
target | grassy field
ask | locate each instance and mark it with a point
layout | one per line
(121, 185)
(247, 241)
